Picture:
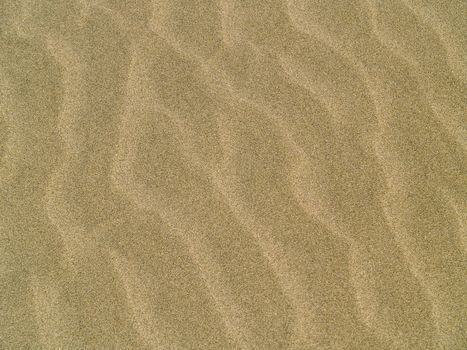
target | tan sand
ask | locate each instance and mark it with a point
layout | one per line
(228, 174)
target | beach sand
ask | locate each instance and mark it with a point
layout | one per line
(228, 174)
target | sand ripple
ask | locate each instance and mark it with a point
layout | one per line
(275, 174)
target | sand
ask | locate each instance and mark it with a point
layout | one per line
(227, 174)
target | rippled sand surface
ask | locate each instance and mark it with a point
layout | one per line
(233, 174)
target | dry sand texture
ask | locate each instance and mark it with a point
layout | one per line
(233, 174)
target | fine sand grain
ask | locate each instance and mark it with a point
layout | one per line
(233, 174)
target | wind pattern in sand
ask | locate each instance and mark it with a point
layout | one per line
(233, 174)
